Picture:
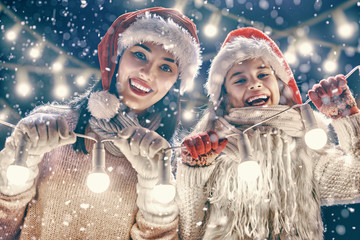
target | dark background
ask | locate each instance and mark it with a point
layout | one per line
(73, 28)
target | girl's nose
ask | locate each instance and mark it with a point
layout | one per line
(255, 84)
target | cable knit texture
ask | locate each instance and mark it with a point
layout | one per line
(285, 201)
(60, 205)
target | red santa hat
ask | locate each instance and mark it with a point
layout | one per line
(240, 45)
(167, 27)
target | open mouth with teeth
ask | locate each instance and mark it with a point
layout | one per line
(257, 100)
(139, 87)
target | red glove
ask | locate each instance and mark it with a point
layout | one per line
(333, 98)
(202, 149)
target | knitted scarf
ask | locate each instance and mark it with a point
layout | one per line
(282, 202)
(108, 129)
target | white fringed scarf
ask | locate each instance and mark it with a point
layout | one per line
(282, 204)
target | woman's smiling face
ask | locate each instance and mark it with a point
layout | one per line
(252, 83)
(146, 73)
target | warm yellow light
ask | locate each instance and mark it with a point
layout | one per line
(316, 138)
(23, 89)
(330, 66)
(35, 52)
(62, 91)
(81, 81)
(249, 171)
(57, 66)
(305, 48)
(98, 182)
(346, 30)
(164, 193)
(17, 175)
(210, 30)
(188, 115)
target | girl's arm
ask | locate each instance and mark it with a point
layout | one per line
(193, 172)
(338, 170)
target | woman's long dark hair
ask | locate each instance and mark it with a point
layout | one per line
(168, 107)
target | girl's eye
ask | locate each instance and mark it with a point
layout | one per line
(241, 80)
(262, 75)
(140, 55)
(165, 68)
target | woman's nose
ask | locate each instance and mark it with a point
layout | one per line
(146, 72)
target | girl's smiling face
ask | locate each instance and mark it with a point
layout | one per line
(146, 73)
(252, 83)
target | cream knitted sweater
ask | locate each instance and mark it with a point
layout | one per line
(60, 206)
(324, 177)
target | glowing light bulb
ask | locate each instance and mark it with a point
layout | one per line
(61, 91)
(23, 89)
(249, 170)
(34, 52)
(330, 66)
(17, 175)
(98, 182)
(188, 115)
(306, 48)
(210, 30)
(164, 193)
(316, 138)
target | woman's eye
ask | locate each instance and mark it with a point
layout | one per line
(165, 68)
(242, 80)
(140, 55)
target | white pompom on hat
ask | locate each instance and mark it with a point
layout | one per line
(167, 27)
(240, 45)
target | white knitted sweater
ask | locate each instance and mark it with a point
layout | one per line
(328, 177)
(60, 205)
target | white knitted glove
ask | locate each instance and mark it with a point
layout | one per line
(142, 147)
(43, 132)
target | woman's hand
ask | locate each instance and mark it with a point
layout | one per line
(333, 98)
(202, 149)
(44, 131)
(143, 148)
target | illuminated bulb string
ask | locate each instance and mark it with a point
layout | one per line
(98, 180)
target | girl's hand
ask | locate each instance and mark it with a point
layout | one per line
(333, 98)
(202, 149)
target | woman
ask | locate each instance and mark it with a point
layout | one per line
(147, 58)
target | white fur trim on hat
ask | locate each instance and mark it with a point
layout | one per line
(103, 105)
(175, 39)
(241, 49)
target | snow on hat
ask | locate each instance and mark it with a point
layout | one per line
(168, 27)
(240, 45)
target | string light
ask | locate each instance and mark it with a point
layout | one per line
(211, 28)
(330, 64)
(18, 173)
(305, 47)
(164, 192)
(345, 29)
(13, 32)
(36, 51)
(23, 86)
(98, 181)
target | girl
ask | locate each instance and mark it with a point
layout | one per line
(147, 58)
(218, 197)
